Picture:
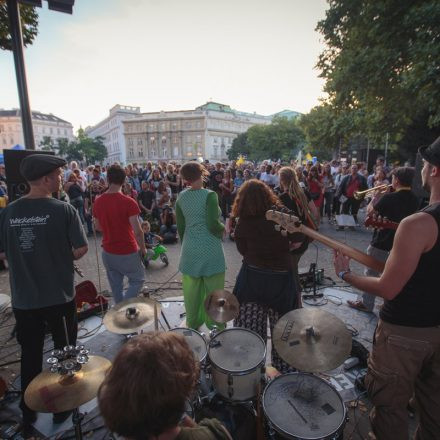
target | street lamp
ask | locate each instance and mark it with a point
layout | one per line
(20, 69)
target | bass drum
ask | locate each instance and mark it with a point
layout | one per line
(195, 341)
(237, 357)
(302, 406)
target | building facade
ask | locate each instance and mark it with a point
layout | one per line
(206, 132)
(44, 126)
(112, 131)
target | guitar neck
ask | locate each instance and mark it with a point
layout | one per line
(351, 252)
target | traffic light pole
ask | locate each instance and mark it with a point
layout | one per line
(20, 71)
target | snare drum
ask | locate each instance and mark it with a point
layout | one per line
(237, 356)
(302, 406)
(195, 341)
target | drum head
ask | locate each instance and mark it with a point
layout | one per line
(237, 350)
(304, 406)
(195, 341)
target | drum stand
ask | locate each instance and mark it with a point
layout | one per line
(77, 418)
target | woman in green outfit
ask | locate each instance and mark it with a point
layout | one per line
(202, 261)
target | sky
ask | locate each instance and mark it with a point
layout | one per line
(254, 55)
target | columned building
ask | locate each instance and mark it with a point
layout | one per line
(111, 130)
(44, 126)
(206, 132)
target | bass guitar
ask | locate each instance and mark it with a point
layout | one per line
(292, 224)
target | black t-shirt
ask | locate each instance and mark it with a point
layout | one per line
(173, 179)
(74, 191)
(216, 178)
(37, 236)
(395, 207)
(146, 198)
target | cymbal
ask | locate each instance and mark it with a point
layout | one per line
(51, 392)
(312, 340)
(222, 306)
(131, 315)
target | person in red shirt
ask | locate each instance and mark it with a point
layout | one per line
(349, 185)
(117, 216)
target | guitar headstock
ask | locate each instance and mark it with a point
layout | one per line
(285, 219)
(378, 222)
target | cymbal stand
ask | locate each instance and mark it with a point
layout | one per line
(77, 418)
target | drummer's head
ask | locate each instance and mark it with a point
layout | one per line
(144, 393)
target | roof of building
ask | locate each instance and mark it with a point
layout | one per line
(289, 114)
(35, 115)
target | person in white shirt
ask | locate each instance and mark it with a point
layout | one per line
(268, 178)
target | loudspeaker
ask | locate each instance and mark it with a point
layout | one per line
(17, 185)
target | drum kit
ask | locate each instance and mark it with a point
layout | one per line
(296, 405)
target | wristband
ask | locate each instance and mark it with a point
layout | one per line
(342, 273)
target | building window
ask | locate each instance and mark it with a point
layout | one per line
(131, 152)
(174, 125)
(164, 139)
(197, 124)
(130, 142)
(175, 140)
(215, 151)
(215, 140)
(164, 151)
(163, 126)
(187, 124)
(139, 141)
(176, 151)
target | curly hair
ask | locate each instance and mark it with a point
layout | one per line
(144, 392)
(253, 199)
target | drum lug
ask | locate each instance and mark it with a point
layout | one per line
(230, 387)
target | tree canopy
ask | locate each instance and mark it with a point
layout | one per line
(282, 139)
(29, 25)
(382, 63)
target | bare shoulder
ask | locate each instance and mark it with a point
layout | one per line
(419, 228)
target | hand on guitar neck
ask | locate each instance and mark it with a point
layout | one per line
(291, 223)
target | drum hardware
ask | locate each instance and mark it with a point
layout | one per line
(312, 340)
(132, 315)
(222, 306)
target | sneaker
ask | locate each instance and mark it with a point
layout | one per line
(358, 305)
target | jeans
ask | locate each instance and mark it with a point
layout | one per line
(367, 298)
(328, 200)
(78, 203)
(164, 229)
(31, 327)
(118, 266)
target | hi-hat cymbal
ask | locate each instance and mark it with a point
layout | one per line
(51, 392)
(131, 315)
(312, 340)
(222, 306)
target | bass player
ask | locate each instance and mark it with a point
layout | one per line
(405, 359)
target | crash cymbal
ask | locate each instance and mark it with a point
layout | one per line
(222, 306)
(131, 315)
(312, 340)
(52, 392)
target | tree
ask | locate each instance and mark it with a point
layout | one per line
(47, 144)
(239, 146)
(383, 59)
(69, 150)
(29, 25)
(282, 139)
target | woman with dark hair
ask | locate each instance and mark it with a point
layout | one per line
(143, 396)
(265, 285)
(227, 187)
(76, 195)
(202, 261)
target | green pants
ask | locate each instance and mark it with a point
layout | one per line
(195, 290)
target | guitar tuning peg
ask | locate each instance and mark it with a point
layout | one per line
(277, 228)
(284, 233)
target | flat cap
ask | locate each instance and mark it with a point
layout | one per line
(35, 166)
(432, 153)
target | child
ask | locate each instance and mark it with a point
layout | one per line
(149, 238)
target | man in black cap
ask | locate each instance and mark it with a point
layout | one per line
(405, 359)
(41, 237)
